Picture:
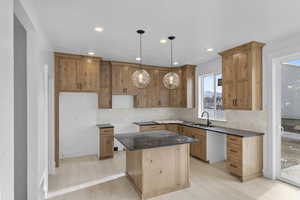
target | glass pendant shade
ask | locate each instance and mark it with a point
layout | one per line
(171, 80)
(141, 78)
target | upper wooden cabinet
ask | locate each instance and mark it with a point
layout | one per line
(105, 93)
(164, 93)
(176, 94)
(188, 86)
(242, 77)
(77, 73)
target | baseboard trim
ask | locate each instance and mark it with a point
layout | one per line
(84, 185)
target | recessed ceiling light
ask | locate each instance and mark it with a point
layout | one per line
(98, 29)
(138, 58)
(91, 53)
(163, 41)
(175, 63)
(210, 49)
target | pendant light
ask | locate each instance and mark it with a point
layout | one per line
(171, 80)
(141, 77)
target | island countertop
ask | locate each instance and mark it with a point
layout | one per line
(152, 139)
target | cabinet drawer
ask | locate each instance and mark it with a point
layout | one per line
(234, 153)
(234, 140)
(152, 128)
(235, 168)
(106, 131)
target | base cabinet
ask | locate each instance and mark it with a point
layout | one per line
(106, 143)
(152, 128)
(158, 171)
(197, 149)
(244, 156)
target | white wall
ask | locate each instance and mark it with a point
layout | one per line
(6, 101)
(78, 132)
(290, 104)
(39, 54)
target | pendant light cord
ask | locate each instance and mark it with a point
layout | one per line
(140, 50)
(171, 55)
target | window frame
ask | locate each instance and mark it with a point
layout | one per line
(201, 95)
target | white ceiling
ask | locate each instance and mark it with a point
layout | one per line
(197, 25)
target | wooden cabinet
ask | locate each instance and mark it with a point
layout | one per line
(148, 97)
(106, 143)
(176, 94)
(173, 128)
(152, 127)
(164, 93)
(242, 77)
(197, 149)
(188, 86)
(88, 74)
(244, 156)
(105, 93)
(119, 78)
(75, 73)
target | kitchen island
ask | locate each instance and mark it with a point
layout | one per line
(157, 162)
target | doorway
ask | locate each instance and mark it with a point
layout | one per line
(20, 111)
(290, 122)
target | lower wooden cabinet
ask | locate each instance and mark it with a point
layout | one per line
(106, 143)
(197, 149)
(173, 128)
(152, 127)
(244, 156)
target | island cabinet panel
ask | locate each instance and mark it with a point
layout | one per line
(158, 171)
(105, 93)
(242, 77)
(244, 156)
(106, 143)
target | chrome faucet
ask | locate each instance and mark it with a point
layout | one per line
(207, 119)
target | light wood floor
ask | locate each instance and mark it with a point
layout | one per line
(75, 171)
(208, 182)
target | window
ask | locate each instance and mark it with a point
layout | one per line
(210, 96)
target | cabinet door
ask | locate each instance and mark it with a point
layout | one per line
(152, 90)
(243, 83)
(106, 146)
(176, 94)
(119, 79)
(105, 94)
(173, 128)
(88, 73)
(132, 89)
(164, 93)
(67, 73)
(228, 82)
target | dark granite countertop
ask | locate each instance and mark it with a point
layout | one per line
(145, 123)
(221, 130)
(152, 139)
(104, 125)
